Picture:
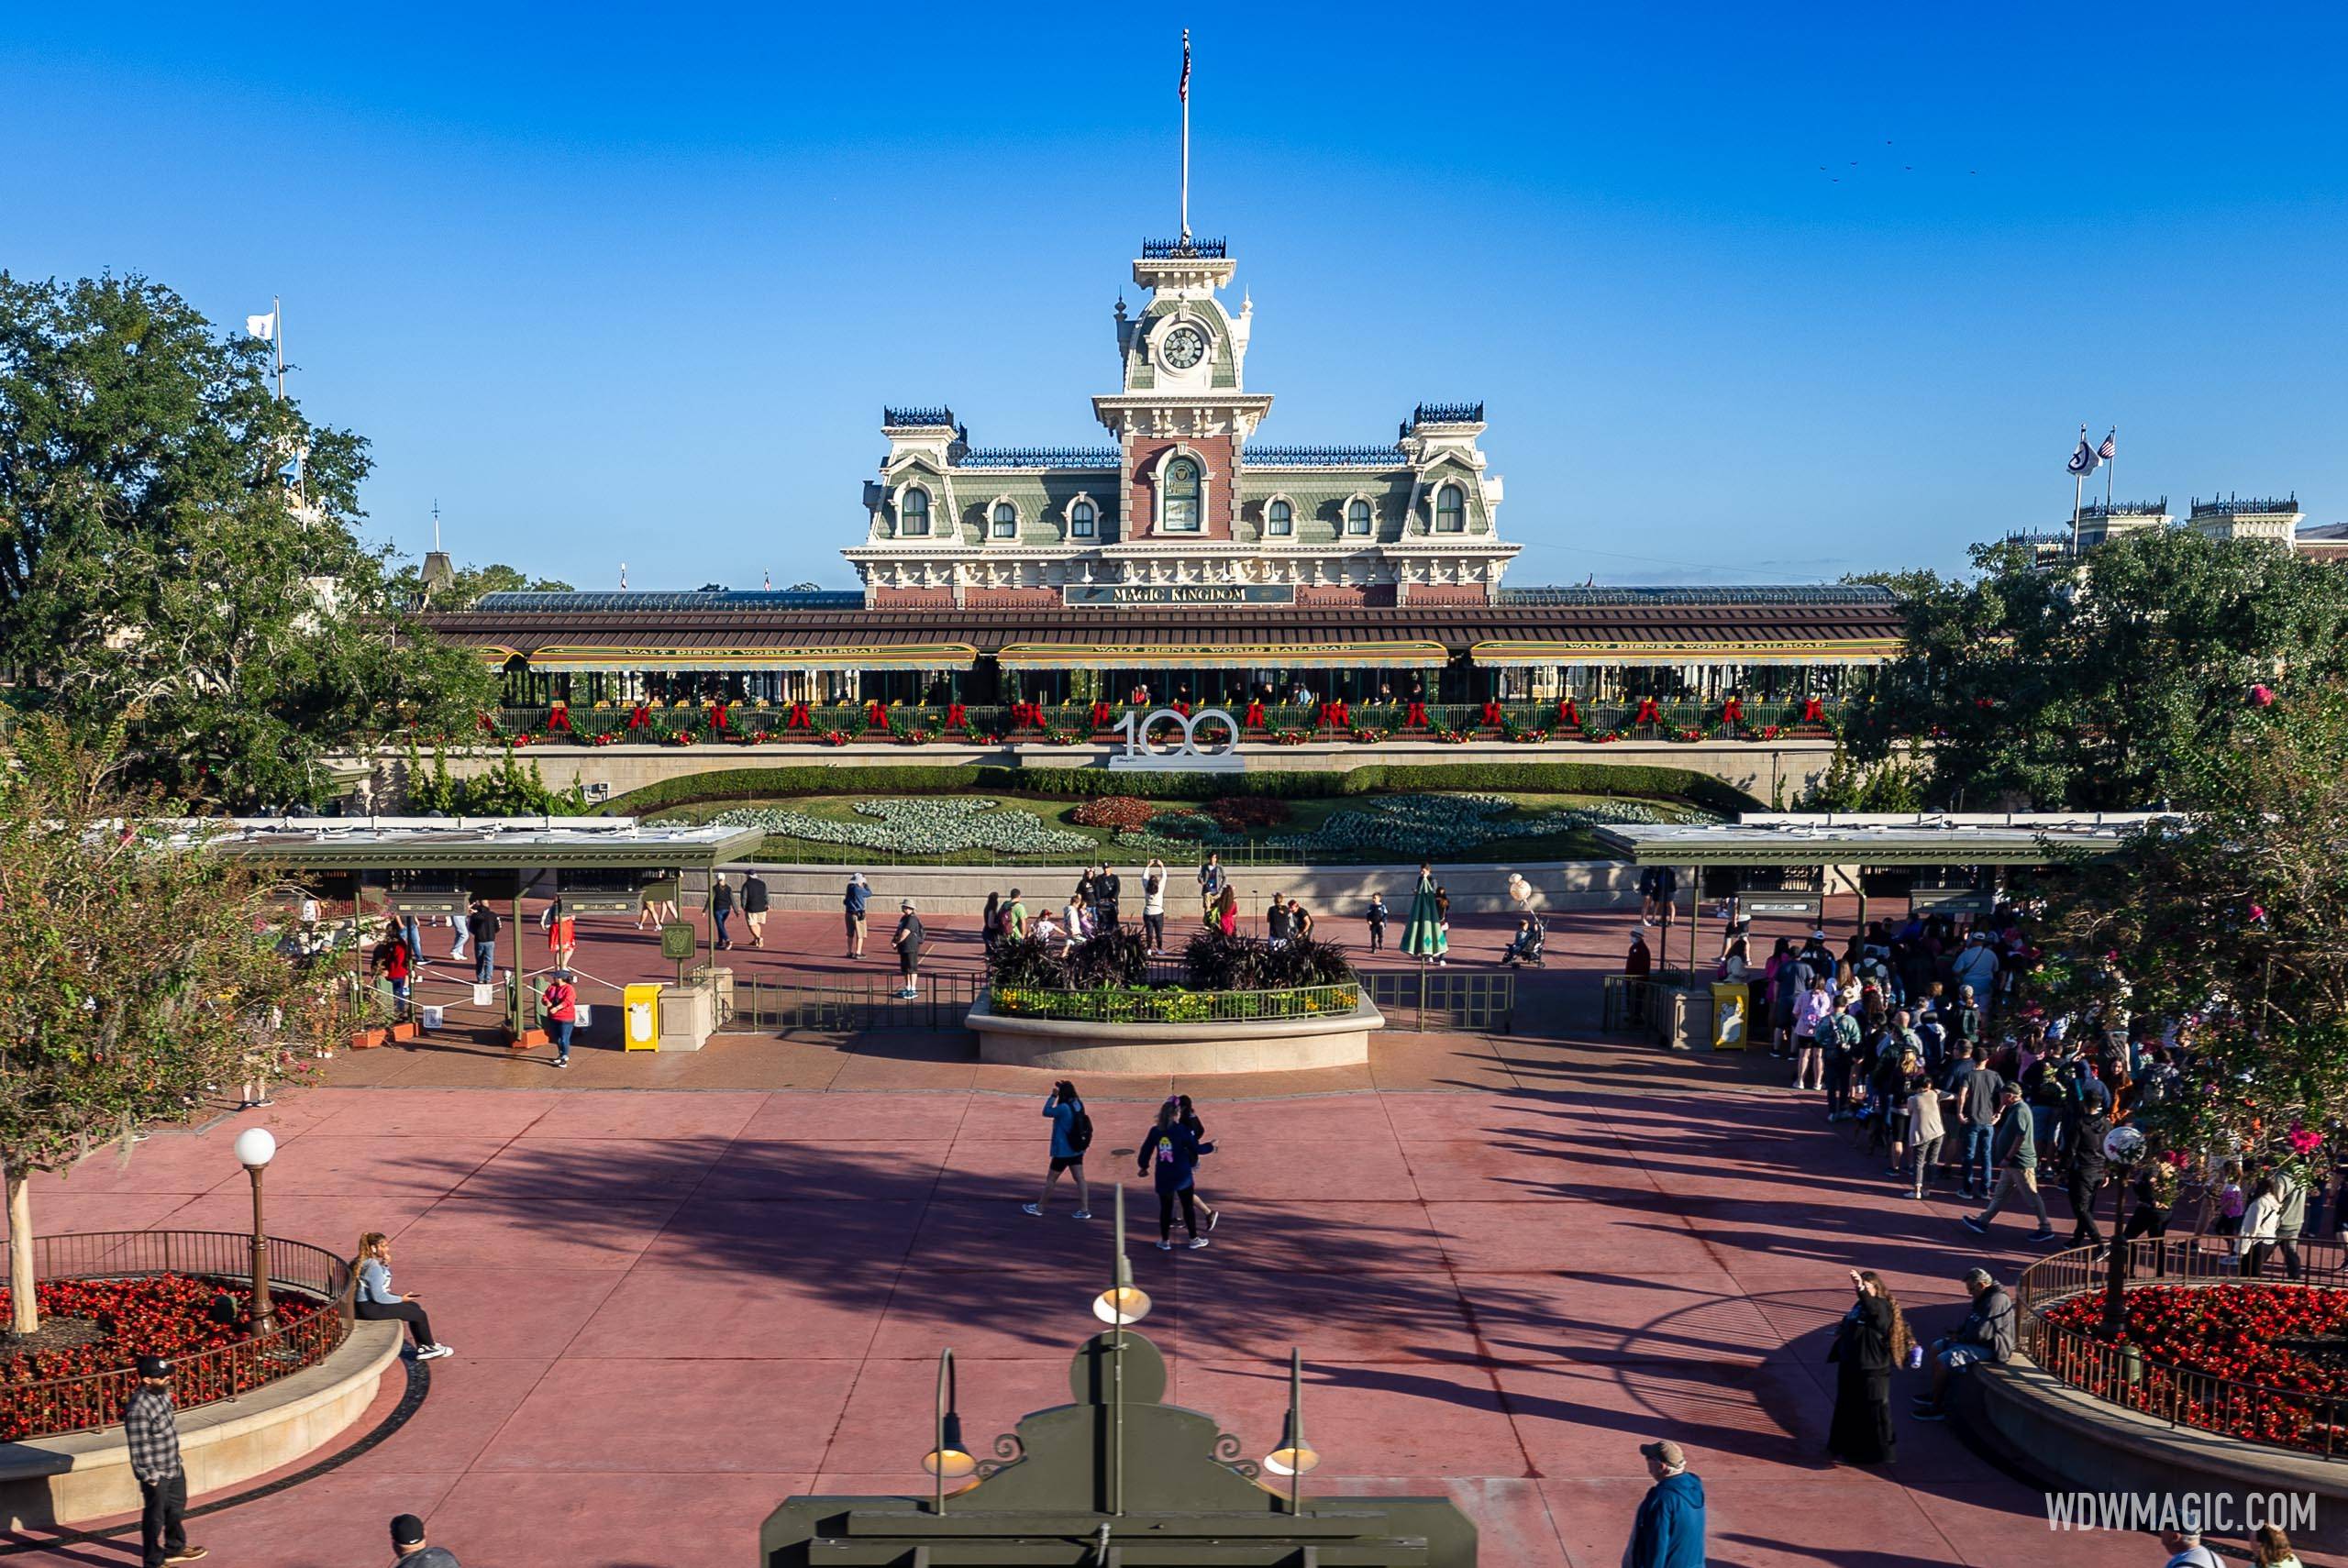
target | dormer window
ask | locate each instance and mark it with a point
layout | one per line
(1081, 520)
(1450, 510)
(1006, 521)
(1279, 519)
(1179, 509)
(912, 514)
(1358, 516)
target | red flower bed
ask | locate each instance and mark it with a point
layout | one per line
(2248, 1334)
(1246, 814)
(166, 1315)
(1120, 811)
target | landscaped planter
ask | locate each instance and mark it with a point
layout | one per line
(1210, 1046)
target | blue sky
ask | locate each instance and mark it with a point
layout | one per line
(1754, 293)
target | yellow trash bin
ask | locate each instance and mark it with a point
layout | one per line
(640, 1018)
(1731, 1002)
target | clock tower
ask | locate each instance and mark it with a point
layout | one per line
(1182, 412)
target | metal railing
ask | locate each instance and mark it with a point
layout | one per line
(851, 1006)
(2122, 1373)
(1173, 1005)
(767, 724)
(51, 1406)
(1424, 999)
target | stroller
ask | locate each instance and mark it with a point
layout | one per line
(1526, 948)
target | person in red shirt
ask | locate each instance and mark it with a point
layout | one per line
(392, 960)
(562, 1011)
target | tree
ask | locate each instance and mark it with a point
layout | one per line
(469, 585)
(2234, 915)
(161, 563)
(2099, 686)
(133, 969)
(508, 790)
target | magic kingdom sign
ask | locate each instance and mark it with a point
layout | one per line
(1098, 595)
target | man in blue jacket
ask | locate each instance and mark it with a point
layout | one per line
(1670, 1528)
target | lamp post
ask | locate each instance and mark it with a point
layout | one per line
(1294, 1456)
(951, 1459)
(255, 1148)
(1123, 1303)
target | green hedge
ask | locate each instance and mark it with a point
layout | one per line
(1369, 778)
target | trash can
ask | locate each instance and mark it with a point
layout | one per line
(1731, 1000)
(640, 1018)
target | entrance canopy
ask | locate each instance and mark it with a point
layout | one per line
(1850, 838)
(480, 844)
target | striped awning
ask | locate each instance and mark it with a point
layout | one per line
(1223, 656)
(1515, 654)
(585, 659)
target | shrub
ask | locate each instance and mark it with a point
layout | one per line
(1123, 812)
(1025, 963)
(1218, 963)
(1119, 957)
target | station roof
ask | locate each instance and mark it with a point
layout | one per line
(1844, 838)
(478, 843)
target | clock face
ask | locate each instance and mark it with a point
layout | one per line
(1185, 347)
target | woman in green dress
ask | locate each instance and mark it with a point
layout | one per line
(1424, 937)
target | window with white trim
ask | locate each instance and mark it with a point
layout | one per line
(1081, 520)
(1279, 518)
(1178, 510)
(1006, 520)
(1450, 510)
(1358, 516)
(912, 514)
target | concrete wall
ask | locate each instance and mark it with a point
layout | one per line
(1770, 771)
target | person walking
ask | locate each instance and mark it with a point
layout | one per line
(721, 910)
(376, 1302)
(2290, 1220)
(151, 1430)
(2271, 1548)
(2083, 1170)
(2016, 1153)
(1153, 906)
(1869, 1344)
(1015, 918)
(1199, 1131)
(1669, 1530)
(480, 924)
(2185, 1551)
(459, 935)
(1108, 891)
(1169, 1156)
(755, 900)
(907, 941)
(562, 933)
(1071, 1135)
(1979, 1095)
(991, 924)
(2256, 1237)
(1925, 1132)
(561, 1001)
(1376, 917)
(409, 1549)
(1212, 883)
(852, 907)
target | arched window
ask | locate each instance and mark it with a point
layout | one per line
(1357, 517)
(1080, 517)
(1450, 510)
(1279, 518)
(1180, 514)
(912, 514)
(1006, 520)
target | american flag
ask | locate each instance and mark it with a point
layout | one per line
(1183, 90)
(2110, 448)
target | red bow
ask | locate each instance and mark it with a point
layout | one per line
(558, 718)
(800, 719)
(1733, 711)
(487, 722)
(1649, 712)
(639, 716)
(1026, 715)
(954, 715)
(1492, 713)
(717, 716)
(1416, 719)
(1255, 719)
(1569, 716)
(1814, 711)
(876, 717)
(1183, 709)
(1099, 716)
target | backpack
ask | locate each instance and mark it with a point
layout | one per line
(1079, 1130)
(1002, 920)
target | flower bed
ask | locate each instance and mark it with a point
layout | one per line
(2227, 1358)
(1408, 824)
(916, 826)
(1123, 812)
(170, 1315)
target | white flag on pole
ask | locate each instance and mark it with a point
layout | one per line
(262, 327)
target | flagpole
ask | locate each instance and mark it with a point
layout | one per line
(2078, 483)
(2110, 463)
(277, 337)
(1186, 136)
